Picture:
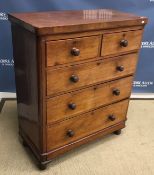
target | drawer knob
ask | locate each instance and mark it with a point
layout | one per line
(75, 51)
(112, 117)
(120, 68)
(70, 133)
(124, 43)
(116, 92)
(74, 78)
(72, 106)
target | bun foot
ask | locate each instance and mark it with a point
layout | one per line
(24, 143)
(118, 132)
(42, 166)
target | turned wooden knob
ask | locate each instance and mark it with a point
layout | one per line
(74, 78)
(70, 133)
(112, 117)
(120, 68)
(72, 106)
(75, 51)
(124, 43)
(116, 92)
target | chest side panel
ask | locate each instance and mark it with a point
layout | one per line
(26, 75)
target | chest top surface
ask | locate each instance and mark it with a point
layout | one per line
(75, 21)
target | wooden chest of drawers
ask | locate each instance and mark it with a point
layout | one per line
(74, 73)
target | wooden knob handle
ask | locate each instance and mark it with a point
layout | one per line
(70, 133)
(116, 92)
(74, 78)
(124, 43)
(75, 51)
(112, 117)
(120, 68)
(72, 106)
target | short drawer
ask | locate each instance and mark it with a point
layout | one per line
(73, 77)
(116, 43)
(83, 125)
(70, 104)
(71, 50)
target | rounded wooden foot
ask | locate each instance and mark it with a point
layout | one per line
(42, 166)
(24, 143)
(118, 132)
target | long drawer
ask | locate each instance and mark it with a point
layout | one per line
(67, 105)
(73, 77)
(72, 50)
(117, 43)
(83, 125)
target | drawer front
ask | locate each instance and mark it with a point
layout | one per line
(71, 50)
(117, 43)
(83, 125)
(67, 105)
(72, 77)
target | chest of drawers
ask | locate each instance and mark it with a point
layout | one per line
(74, 73)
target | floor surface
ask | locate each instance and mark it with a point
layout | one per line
(131, 153)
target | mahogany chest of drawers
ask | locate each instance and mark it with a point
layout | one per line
(74, 72)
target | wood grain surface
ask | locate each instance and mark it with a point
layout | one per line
(59, 52)
(58, 80)
(28, 111)
(111, 42)
(45, 23)
(86, 99)
(74, 73)
(85, 124)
